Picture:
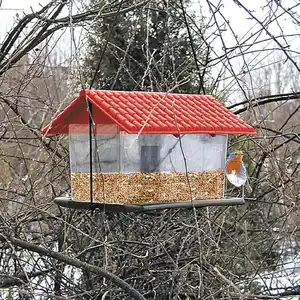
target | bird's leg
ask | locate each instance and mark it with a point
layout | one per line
(243, 191)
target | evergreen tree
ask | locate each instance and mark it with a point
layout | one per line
(148, 49)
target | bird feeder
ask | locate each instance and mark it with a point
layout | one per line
(137, 151)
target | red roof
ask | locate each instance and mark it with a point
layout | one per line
(150, 113)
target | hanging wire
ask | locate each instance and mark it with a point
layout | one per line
(89, 104)
(92, 125)
(90, 108)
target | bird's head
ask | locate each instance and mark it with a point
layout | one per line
(236, 155)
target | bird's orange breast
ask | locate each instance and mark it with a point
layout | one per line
(233, 166)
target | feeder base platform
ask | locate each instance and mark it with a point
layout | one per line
(108, 207)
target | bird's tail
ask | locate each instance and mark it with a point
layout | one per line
(248, 187)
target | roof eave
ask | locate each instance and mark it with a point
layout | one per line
(189, 132)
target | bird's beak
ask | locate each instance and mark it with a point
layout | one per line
(240, 153)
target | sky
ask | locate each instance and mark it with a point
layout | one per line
(9, 8)
(239, 20)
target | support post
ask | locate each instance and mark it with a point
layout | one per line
(90, 112)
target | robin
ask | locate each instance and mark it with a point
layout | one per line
(235, 170)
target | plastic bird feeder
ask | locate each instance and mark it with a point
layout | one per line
(138, 151)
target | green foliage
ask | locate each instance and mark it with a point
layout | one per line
(149, 48)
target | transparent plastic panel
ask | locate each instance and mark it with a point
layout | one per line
(79, 152)
(140, 153)
(115, 152)
(163, 153)
(105, 149)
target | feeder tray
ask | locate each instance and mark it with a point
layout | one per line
(69, 203)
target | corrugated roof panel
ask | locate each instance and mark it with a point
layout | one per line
(162, 113)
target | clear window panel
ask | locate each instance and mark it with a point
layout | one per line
(165, 153)
(105, 149)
